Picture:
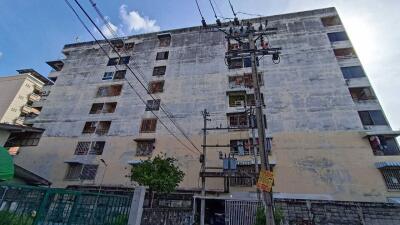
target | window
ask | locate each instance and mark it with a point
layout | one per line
(148, 125)
(144, 147)
(361, 93)
(96, 148)
(118, 61)
(352, 72)
(165, 40)
(344, 53)
(119, 75)
(331, 21)
(109, 91)
(245, 176)
(89, 172)
(99, 128)
(240, 147)
(162, 55)
(108, 76)
(238, 46)
(159, 70)
(74, 171)
(82, 148)
(91, 148)
(338, 36)
(251, 101)
(372, 117)
(391, 176)
(237, 120)
(153, 105)
(382, 145)
(129, 46)
(108, 107)
(156, 86)
(237, 100)
(237, 63)
(244, 81)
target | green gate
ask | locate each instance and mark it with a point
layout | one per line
(26, 205)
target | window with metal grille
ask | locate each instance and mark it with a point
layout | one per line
(97, 147)
(156, 86)
(352, 72)
(118, 61)
(372, 117)
(240, 147)
(162, 55)
(245, 176)
(108, 107)
(129, 46)
(392, 178)
(74, 171)
(89, 172)
(119, 75)
(344, 53)
(82, 148)
(165, 40)
(144, 147)
(109, 91)
(237, 120)
(362, 93)
(100, 127)
(382, 145)
(331, 21)
(245, 81)
(153, 105)
(148, 125)
(159, 70)
(338, 36)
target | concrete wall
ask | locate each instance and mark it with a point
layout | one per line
(3, 137)
(314, 122)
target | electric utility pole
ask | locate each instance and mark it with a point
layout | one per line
(203, 167)
(250, 35)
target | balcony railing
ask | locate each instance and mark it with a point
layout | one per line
(34, 97)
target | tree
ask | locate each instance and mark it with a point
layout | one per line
(159, 174)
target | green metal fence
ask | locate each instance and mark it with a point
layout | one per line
(25, 205)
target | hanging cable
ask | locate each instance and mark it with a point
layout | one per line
(235, 19)
(233, 11)
(129, 83)
(142, 75)
(215, 15)
(203, 21)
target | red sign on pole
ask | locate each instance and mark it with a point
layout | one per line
(265, 181)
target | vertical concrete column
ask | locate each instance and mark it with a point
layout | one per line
(135, 213)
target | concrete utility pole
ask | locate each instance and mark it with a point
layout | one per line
(203, 167)
(251, 35)
(267, 196)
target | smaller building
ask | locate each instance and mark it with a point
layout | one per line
(18, 95)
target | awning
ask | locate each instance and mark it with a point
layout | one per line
(236, 91)
(30, 177)
(380, 165)
(389, 133)
(135, 162)
(6, 165)
(144, 139)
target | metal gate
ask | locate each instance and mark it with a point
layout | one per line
(25, 205)
(239, 212)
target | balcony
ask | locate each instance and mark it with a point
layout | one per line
(29, 110)
(34, 97)
(20, 120)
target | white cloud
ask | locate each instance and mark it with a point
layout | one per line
(1, 55)
(134, 22)
(107, 32)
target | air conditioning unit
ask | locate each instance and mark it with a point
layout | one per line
(239, 103)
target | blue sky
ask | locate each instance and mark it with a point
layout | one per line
(34, 31)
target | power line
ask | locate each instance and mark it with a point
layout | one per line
(216, 17)
(233, 11)
(148, 92)
(203, 21)
(105, 52)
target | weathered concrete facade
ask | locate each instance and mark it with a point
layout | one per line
(319, 143)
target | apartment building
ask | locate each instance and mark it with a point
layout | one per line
(18, 94)
(328, 134)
